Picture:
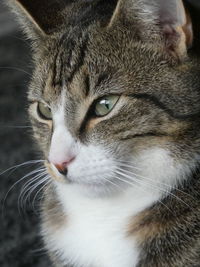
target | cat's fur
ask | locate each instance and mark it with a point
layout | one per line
(132, 195)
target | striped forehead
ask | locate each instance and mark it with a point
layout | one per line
(67, 61)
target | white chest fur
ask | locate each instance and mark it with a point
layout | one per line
(95, 234)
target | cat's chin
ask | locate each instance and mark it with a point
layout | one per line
(90, 189)
(93, 189)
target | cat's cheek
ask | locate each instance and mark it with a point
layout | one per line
(158, 168)
(41, 130)
(42, 136)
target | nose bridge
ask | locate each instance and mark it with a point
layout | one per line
(62, 148)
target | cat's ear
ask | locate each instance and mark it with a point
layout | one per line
(39, 17)
(165, 21)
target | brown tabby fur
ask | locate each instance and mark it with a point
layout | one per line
(92, 54)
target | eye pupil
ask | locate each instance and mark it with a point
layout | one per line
(106, 103)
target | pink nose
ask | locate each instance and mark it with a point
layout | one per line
(62, 167)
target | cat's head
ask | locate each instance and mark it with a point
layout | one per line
(114, 99)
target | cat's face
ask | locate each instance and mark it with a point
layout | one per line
(107, 111)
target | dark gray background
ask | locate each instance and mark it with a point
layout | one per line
(20, 243)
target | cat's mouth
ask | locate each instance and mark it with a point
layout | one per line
(64, 179)
(69, 180)
(54, 174)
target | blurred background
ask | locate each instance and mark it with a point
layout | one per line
(20, 244)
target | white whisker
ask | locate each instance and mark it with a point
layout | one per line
(14, 68)
(35, 186)
(138, 185)
(125, 163)
(28, 186)
(15, 127)
(157, 182)
(22, 164)
(109, 181)
(41, 189)
(154, 186)
(20, 180)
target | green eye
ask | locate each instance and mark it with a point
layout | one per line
(44, 111)
(105, 105)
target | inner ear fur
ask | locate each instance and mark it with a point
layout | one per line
(42, 17)
(163, 21)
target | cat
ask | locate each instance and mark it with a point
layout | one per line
(114, 105)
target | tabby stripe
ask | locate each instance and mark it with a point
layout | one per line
(80, 62)
(55, 69)
(58, 82)
(87, 84)
(159, 104)
(102, 77)
(70, 47)
(143, 135)
(57, 79)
